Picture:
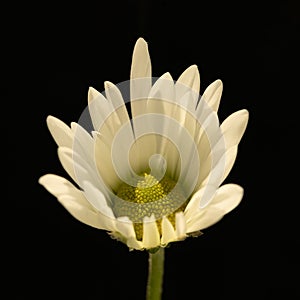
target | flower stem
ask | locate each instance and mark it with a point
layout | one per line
(155, 274)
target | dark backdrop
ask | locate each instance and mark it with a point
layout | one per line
(51, 55)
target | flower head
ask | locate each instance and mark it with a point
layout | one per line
(153, 177)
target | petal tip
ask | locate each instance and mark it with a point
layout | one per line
(92, 93)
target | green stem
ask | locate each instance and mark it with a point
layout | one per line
(155, 274)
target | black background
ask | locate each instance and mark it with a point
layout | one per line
(51, 55)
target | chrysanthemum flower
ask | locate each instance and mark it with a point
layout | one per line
(153, 177)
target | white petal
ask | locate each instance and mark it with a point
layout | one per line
(141, 64)
(93, 94)
(97, 199)
(168, 232)
(114, 95)
(85, 215)
(234, 127)
(83, 143)
(203, 196)
(75, 202)
(226, 199)
(212, 94)
(180, 225)
(61, 133)
(209, 136)
(189, 80)
(81, 170)
(140, 75)
(230, 157)
(104, 162)
(102, 112)
(151, 237)
(216, 174)
(59, 186)
(65, 156)
(204, 219)
(125, 227)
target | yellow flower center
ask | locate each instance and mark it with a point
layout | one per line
(150, 196)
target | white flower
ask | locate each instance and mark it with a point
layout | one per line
(157, 178)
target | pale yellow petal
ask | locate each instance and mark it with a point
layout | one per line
(140, 77)
(168, 232)
(125, 228)
(85, 215)
(59, 186)
(113, 94)
(97, 199)
(212, 94)
(60, 132)
(234, 127)
(75, 202)
(190, 78)
(151, 238)
(230, 157)
(180, 225)
(226, 199)
(141, 63)
(93, 94)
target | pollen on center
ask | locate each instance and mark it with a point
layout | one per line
(149, 197)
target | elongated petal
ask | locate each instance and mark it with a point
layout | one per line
(226, 199)
(212, 94)
(84, 215)
(141, 73)
(93, 94)
(102, 112)
(83, 143)
(188, 80)
(61, 133)
(180, 225)
(97, 199)
(234, 127)
(141, 63)
(151, 237)
(59, 186)
(74, 201)
(113, 94)
(230, 157)
(81, 170)
(168, 232)
(65, 156)
(125, 228)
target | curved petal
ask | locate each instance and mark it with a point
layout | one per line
(81, 170)
(230, 157)
(74, 201)
(59, 186)
(226, 199)
(189, 80)
(113, 94)
(206, 194)
(212, 94)
(60, 132)
(125, 227)
(234, 127)
(97, 199)
(102, 112)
